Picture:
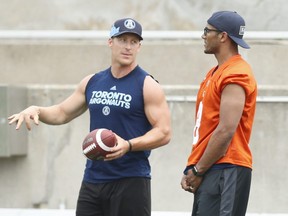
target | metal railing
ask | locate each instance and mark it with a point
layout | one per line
(150, 35)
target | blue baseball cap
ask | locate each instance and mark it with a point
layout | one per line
(232, 23)
(126, 25)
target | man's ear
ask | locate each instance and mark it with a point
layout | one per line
(223, 36)
(110, 41)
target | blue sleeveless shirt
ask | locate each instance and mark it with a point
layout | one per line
(118, 105)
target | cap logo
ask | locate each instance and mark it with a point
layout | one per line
(129, 24)
(241, 30)
(114, 31)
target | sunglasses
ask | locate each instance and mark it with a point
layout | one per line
(207, 30)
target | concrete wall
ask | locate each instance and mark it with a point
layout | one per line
(263, 15)
(49, 175)
(173, 62)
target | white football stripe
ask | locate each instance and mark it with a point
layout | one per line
(89, 148)
(99, 141)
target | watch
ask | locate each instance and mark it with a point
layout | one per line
(195, 171)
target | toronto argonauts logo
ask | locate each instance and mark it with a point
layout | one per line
(106, 110)
(241, 30)
(130, 24)
(108, 99)
(114, 31)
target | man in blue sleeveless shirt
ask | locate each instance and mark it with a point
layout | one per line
(127, 100)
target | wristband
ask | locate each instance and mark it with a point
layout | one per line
(130, 145)
(195, 171)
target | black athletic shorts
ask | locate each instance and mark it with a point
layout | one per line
(125, 197)
(223, 192)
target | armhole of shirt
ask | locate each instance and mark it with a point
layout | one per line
(153, 78)
(87, 87)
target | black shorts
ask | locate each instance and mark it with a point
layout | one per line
(223, 192)
(130, 196)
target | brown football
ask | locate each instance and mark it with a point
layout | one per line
(98, 143)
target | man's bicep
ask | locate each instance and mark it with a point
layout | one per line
(75, 104)
(156, 107)
(232, 104)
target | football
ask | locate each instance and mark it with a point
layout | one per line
(98, 143)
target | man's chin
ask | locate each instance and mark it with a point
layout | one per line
(207, 52)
